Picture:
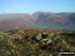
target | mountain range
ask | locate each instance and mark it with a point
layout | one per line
(39, 20)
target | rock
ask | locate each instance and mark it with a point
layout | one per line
(49, 41)
(44, 40)
(44, 35)
(50, 55)
(38, 36)
(52, 36)
(63, 41)
(58, 39)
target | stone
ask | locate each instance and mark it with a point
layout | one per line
(49, 41)
(38, 36)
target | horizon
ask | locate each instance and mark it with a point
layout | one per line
(32, 6)
(35, 12)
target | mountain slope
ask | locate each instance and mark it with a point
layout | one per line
(55, 20)
(44, 20)
(15, 21)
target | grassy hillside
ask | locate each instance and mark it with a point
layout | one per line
(33, 42)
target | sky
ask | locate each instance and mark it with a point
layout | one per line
(32, 6)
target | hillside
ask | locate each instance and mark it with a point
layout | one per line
(56, 21)
(34, 42)
(15, 21)
(40, 20)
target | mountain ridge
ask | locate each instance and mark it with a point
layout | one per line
(44, 20)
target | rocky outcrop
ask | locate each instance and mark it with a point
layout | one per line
(39, 44)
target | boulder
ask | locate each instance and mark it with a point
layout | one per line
(38, 36)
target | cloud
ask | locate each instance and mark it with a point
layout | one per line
(6, 12)
(23, 5)
(9, 12)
